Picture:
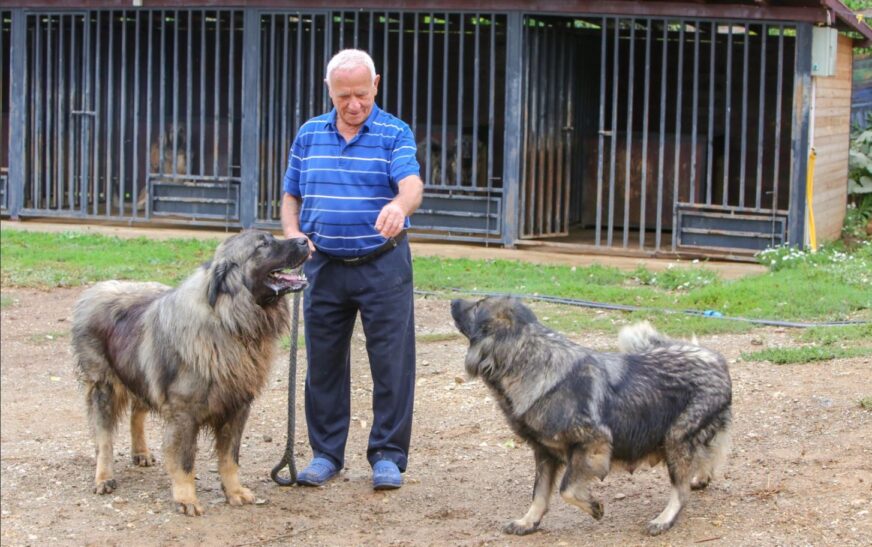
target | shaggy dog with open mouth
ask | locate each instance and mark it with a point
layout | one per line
(196, 355)
(658, 399)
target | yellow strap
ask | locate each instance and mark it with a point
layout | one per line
(809, 199)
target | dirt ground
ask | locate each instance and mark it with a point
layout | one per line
(800, 472)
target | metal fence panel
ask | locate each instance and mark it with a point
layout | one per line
(133, 114)
(680, 121)
(622, 128)
(442, 73)
(549, 128)
(5, 69)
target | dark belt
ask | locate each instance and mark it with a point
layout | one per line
(388, 245)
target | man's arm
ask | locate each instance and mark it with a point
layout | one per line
(392, 217)
(291, 218)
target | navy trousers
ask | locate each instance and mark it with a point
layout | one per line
(382, 292)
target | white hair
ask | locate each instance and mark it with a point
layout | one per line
(349, 59)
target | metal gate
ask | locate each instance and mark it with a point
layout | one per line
(5, 66)
(133, 115)
(442, 73)
(549, 77)
(657, 134)
(59, 117)
(294, 54)
(713, 153)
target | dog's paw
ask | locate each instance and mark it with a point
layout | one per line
(699, 483)
(520, 528)
(656, 528)
(105, 487)
(190, 508)
(596, 510)
(242, 496)
(143, 460)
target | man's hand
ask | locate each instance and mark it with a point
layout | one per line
(291, 219)
(292, 234)
(391, 220)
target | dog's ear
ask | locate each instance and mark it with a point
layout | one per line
(504, 316)
(217, 283)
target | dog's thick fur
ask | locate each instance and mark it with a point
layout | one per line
(658, 399)
(196, 355)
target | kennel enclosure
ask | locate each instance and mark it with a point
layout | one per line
(650, 128)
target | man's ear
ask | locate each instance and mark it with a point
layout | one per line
(217, 283)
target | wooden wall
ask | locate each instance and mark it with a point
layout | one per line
(832, 130)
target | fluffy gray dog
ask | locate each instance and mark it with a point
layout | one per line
(196, 355)
(658, 399)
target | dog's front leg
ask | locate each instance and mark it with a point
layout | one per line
(227, 440)
(546, 471)
(180, 448)
(586, 462)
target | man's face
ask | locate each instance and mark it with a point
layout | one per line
(353, 94)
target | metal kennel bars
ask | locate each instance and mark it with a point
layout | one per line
(5, 66)
(644, 134)
(133, 115)
(658, 134)
(186, 116)
(442, 73)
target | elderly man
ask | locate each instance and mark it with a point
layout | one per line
(351, 184)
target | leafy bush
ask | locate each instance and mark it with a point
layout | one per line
(859, 184)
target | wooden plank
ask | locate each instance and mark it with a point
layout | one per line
(843, 102)
(830, 111)
(834, 139)
(838, 122)
(830, 193)
(832, 170)
(825, 149)
(832, 85)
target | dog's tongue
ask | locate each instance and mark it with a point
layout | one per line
(293, 277)
(287, 280)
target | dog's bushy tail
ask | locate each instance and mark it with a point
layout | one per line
(640, 337)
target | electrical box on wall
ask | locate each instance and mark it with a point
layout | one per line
(824, 42)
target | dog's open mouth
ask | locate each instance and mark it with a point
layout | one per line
(287, 280)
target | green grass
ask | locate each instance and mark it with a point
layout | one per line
(865, 403)
(45, 260)
(434, 337)
(826, 336)
(800, 286)
(46, 337)
(805, 354)
(285, 342)
(573, 320)
(5, 301)
(676, 278)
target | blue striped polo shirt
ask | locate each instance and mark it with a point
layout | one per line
(344, 185)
